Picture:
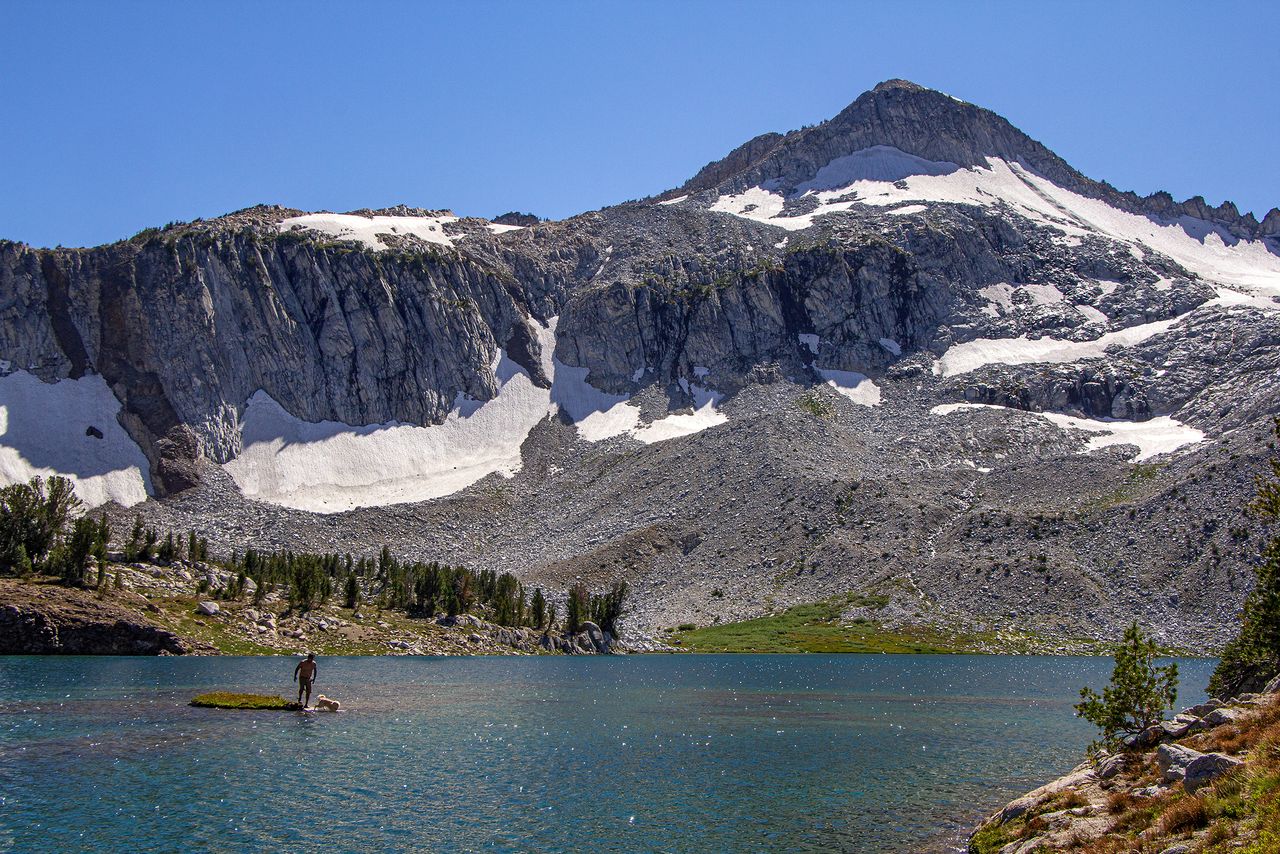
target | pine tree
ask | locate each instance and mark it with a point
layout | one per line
(578, 608)
(70, 556)
(1253, 656)
(353, 589)
(538, 608)
(168, 549)
(32, 516)
(1138, 694)
(133, 548)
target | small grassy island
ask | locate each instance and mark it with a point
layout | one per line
(256, 702)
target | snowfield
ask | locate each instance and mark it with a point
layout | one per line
(852, 385)
(45, 429)
(366, 229)
(328, 466)
(1202, 247)
(1160, 435)
(971, 355)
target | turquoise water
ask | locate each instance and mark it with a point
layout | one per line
(852, 753)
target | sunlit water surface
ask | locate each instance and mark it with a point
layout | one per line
(865, 753)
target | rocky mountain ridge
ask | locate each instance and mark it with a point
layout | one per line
(909, 351)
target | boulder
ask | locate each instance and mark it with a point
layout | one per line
(1206, 768)
(1109, 766)
(1173, 729)
(1173, 760)
(1273, 687)
(209, 609)
(1201, 709)
(596, 636)
(1218, 717)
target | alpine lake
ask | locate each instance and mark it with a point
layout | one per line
(858, 753)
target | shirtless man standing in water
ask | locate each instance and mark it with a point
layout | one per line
(304, 674)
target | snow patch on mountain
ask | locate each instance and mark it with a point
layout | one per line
(761, 205)
(1204, 248)
(365, 229)
(877, 163)
(328, 466)
(599, 415)
(1092, 314)
(1160, 435)
(971, 355)
(850, 384)
(705, 414)
(54, 428)
(1228, 298)
(999, 298)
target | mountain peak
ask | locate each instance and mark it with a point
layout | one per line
(931, 126)
(899, 83)
(899, 114)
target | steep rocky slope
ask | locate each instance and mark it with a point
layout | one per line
(908, 352)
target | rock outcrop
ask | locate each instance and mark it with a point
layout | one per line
(48, 620)
(1152, 796)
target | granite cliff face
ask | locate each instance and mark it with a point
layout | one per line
(186, 327)
(909, 351)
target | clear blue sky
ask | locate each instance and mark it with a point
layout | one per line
(118, 116)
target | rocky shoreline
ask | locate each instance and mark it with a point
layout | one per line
(158, 609)
(38, 619)
(1175, 788)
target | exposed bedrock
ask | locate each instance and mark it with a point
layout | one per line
(57, 621)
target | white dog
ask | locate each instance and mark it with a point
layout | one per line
(324, 704)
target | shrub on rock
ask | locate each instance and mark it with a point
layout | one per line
(1139, 692)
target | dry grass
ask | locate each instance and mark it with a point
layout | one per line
(1237, 738)
(1123, 801)
(1070, 800)
(1033, 827)
(1184, 816)
(1227, 739)
(1222, 830)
